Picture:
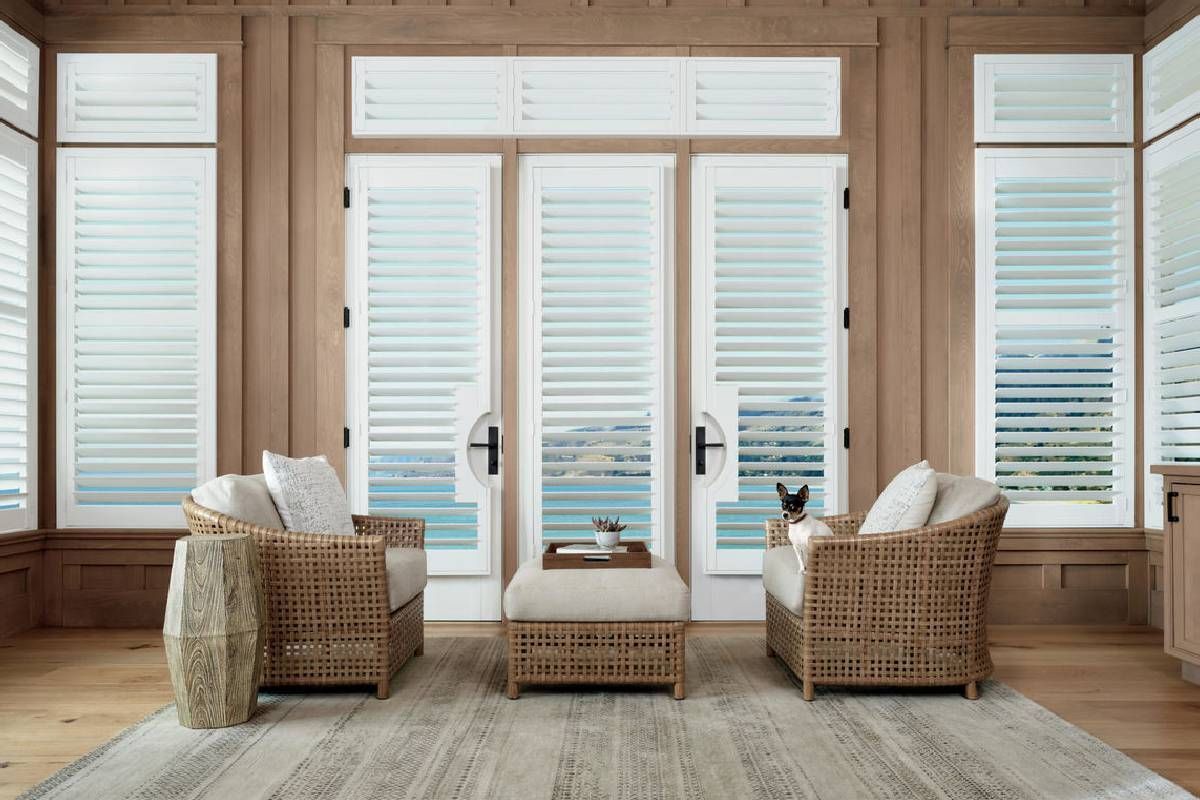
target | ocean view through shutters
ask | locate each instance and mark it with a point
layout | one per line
(1172, 307)
(18, 312)
(137, 340)
(425, 234)
(1055, 361)
(595, 372)
(768, 346)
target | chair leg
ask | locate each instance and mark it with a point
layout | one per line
(679, 691)
(420, 651)
(971, 691)
(770, 652)
(383, 689)
(809, 690)
(514, 691)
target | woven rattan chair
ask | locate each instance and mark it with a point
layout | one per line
(891, 609)
(328, 617)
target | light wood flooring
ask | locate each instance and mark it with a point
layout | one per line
(66, 691)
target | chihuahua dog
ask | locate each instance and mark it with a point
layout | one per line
(802, 526)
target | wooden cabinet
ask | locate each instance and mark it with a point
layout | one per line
(1181, 565)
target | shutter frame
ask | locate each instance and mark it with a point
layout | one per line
(23, 113)
(1174, 60)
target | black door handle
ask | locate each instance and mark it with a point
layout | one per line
(493, 447)
(702, 445)
(1171, 515)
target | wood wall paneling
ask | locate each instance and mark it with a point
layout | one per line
(21, 582)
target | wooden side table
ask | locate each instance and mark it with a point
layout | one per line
(214, 629)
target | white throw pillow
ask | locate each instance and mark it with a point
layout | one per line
(905, 503)
(959, 495)
(307, 494)
(244, 497)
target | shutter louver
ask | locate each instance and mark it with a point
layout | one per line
(425, 298)
(1172, 307)
(596, 96)
(1054, 98)
(18, 80)
(1171, 80)
(18, 241)
(1056, 361)
(595, 266)
(763, 96)
(137, 97)
(767, 307)
(399, 96)
(136, 265)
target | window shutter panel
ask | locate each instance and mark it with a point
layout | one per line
(18, 307)
(400, 96)
(1055, 361)
(596, 96)
(1171, 80)
(768, 324)
(595, 271)
(137, 97)
(423, 307)
(136, 304)
(763, 96)
(1054, 98)
(1172, 306)
(18, 80)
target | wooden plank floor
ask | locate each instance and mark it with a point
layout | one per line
(66, 691)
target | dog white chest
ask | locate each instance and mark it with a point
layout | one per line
(799, 534)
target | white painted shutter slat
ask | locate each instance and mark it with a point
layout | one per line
(1055, 363)
(414, 96)
(596, 96)
(1171, 186)
(1054, 97)
(1171, 80)
(19, 69)
(763, 96)
(137, 339)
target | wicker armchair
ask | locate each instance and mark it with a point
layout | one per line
(893, 609)
(328, 617)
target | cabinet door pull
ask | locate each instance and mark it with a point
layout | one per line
(1171, 515)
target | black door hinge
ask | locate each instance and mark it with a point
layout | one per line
(846, 317)
(845, 198)
(345, 316)
(846, 438)
(345, 197)
(345, 437)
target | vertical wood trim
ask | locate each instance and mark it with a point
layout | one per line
(47, 317)
(961, 283)
(510, 368)
(861, 124)
(683, 359)
(935, 343)
(229, 261)
(899, 230)
(302, 121)
(330, 295)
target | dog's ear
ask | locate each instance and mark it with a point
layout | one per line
(781, 490)
(804, 493)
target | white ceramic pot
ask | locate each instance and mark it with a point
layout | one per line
(608, 538)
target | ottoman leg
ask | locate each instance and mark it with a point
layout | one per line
(514, 691)
(679, 692)
(971, 691)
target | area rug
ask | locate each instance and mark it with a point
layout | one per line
(743, 732)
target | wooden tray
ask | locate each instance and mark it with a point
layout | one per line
(637, 557)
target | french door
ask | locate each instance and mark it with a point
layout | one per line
(422, 350)
(768, 355)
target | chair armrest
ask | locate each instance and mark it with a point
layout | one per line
(310, 578)
(842, 525)
(396, 531)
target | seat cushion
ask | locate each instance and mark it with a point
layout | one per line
(243, 497)
(959, 495)
(656, 594)
(406, 574)
(905, 503)
(307, 494)
(782, 578)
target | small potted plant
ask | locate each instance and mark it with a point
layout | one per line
(608, 531)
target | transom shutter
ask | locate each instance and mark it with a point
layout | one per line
(136, 349)
(1172, 306)
(18, 80)
(1055, 360)
(18, 355)
(1171, 80)
(595, 266)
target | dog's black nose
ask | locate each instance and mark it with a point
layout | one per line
(784, 515)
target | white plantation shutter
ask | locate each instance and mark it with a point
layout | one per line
(1055, 342)
(769, 345)
(1054, 97)
(1171, 80)
(137, 97)
(595, 271)
(409, 96)
(425, 234)
(18, 307)
(136, 343)
(627, 96)
(18, 80)
(1171, 186)
(763, 96)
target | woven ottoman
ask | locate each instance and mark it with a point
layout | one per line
(596, 626)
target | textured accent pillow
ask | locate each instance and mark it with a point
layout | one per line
(307, 494)
(244, 497)
(905, 503)
(959, 495)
